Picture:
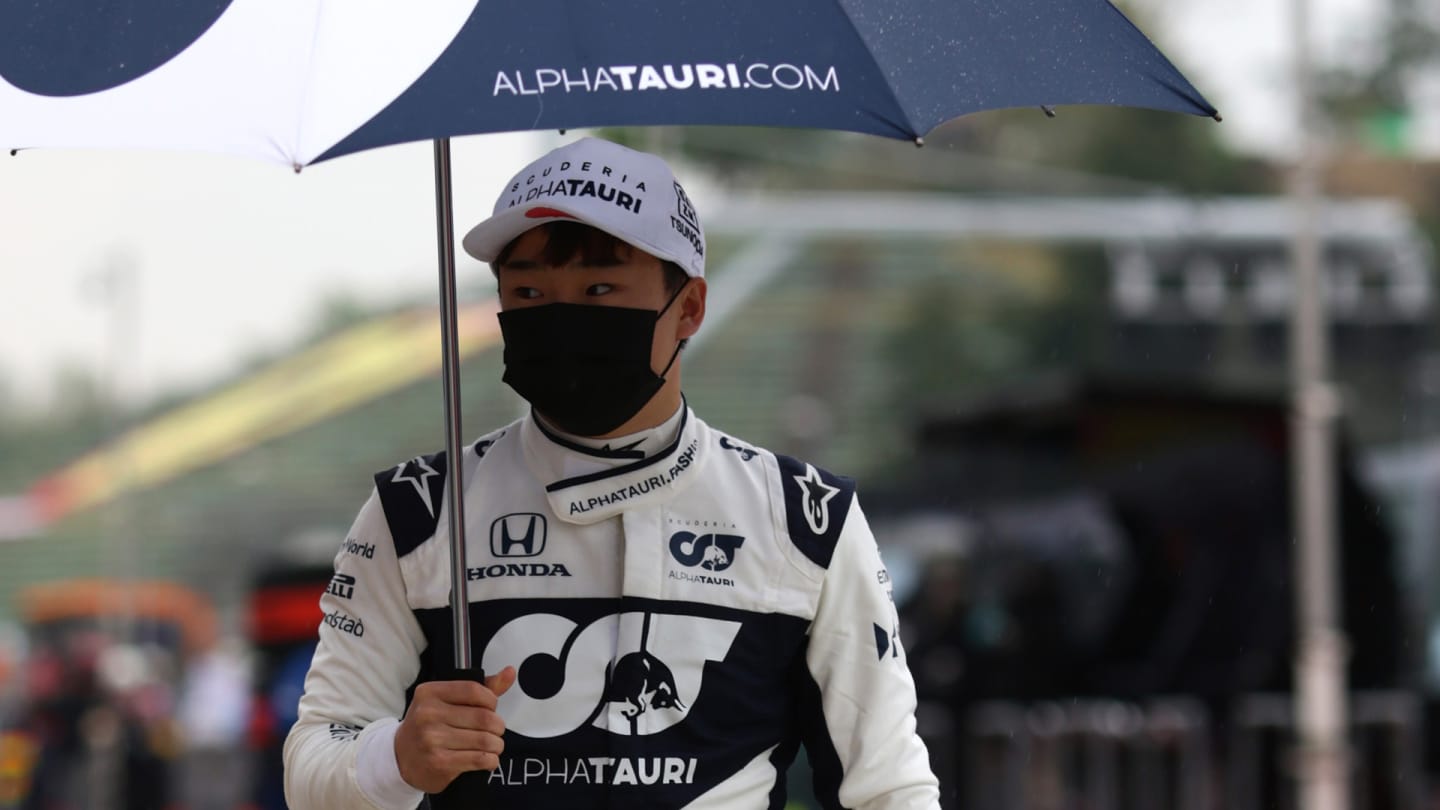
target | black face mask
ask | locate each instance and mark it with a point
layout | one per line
(585, 368)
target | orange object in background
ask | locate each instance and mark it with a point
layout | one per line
(145, 600)
(19, 752)
(108, 661)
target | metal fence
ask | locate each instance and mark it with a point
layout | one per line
(1166, 754)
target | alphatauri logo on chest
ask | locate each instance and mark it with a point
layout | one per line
(632, 673)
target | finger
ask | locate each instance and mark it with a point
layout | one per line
(457, 693)
(473, 719)
(501, 681)
(454, 740)
(462, 761)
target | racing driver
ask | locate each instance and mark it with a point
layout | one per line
(665, 612)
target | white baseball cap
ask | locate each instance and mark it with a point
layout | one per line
(630, 195)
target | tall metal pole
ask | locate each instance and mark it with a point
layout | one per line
(450, 381)
(1320, 707)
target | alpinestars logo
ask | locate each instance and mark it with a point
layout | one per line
(710, 552)
(816, 495)
(418, 473)
(630, 674)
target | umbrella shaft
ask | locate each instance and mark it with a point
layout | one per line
(450, 381)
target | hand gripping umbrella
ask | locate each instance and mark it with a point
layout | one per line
(300, 81)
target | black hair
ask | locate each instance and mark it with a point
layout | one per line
(566, 240)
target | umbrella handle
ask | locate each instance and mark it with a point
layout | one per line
(450, 381)
(470, 789)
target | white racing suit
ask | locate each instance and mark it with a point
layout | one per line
(680, 623)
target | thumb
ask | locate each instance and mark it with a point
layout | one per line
(501, 681)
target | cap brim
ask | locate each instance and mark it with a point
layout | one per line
(486, 240)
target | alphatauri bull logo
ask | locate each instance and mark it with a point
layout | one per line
(642, 681)
(715, 559)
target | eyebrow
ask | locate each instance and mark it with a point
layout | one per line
(521, 264)
(531, 264)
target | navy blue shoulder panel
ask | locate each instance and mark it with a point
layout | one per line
(816, 503)
(410, 494)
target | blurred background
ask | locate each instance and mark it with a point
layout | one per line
(1053, 352)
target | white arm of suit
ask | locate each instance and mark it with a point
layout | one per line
(867, 695)
(357, 679)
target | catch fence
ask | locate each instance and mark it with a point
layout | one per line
(1165, 754)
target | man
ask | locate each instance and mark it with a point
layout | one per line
(664, 612)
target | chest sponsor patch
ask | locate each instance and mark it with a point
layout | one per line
(516, 570)
(705, 555)
(633, 673)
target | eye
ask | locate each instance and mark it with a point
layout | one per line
(599, 289)
(527, 292)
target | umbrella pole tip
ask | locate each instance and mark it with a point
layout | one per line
(1217, 118)
(14, 152)
(1049, 111)
(919, 141)
(297, 167)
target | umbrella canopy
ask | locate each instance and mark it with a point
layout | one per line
(296, 82)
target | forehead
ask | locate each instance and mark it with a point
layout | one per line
(561, 244)
(567, 237)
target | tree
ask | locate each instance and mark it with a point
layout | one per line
(1369, 99)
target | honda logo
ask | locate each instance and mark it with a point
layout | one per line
(518, 535)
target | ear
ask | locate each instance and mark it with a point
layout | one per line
(692, 308)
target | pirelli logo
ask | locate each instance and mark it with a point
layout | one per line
(341, 585)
